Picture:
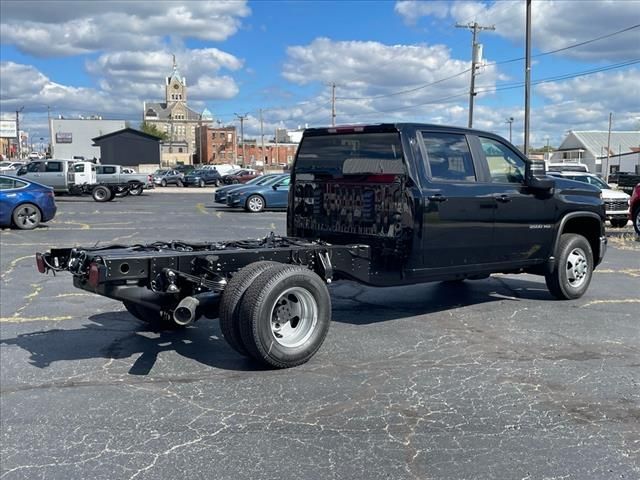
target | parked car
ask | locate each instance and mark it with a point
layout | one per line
(616, 202)
(58, 174)
(634, 208)
(168, 177)
(184, 169)
(223, 168)
(272, 195)
(568, 167)
(115, 174)
(220, 196)
(10, 166)
(200, 178)
(240, 176)
(25, 204)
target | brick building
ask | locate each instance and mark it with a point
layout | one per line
(275, 155)
(217, 145)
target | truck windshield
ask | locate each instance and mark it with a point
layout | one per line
(351, 154)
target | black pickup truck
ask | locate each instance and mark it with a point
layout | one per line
(383, 205)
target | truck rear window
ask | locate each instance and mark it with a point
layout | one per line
(351, 154)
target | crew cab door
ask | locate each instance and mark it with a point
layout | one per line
(524, 217)
(458, 210)
(108, 174)
(53, 174)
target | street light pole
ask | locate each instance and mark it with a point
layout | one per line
(510, 122)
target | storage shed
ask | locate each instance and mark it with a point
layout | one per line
(130, 148)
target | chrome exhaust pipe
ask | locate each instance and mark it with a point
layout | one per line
(185, 312)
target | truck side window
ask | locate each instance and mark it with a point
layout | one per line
(109, 170)
(449, 157)
(78, 168)
(53, 167)
(35, 167)
(505, 166)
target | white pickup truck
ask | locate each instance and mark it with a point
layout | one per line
(118, 175)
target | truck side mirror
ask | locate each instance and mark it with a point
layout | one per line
(535, 176)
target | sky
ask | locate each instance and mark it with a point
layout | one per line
(390, 61)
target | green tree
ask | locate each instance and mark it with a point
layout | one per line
(153, 130)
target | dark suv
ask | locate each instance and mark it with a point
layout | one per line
(201, 178)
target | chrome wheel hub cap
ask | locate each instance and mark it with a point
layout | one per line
(577, 267)
(293, 317)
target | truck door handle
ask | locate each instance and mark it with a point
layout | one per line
(438, 197)
(503, 198)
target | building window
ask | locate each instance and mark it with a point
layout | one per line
(179, 149)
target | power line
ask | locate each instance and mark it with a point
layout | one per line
(566, 76)
(375, 97)
(568, 47)
(500, 62)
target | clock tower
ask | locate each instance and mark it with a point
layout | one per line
(176, 86)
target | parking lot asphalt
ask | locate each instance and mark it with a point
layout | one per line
(488, 379)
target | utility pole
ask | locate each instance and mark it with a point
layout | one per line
(242, 118)
(50, 131)
(527, 80)
(606, 172)
(333, 104)
(262, 139)
(476, 58)
(19, 140)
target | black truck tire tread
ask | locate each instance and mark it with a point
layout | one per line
(556, 281)
(230, 302)
(255, 315)
(101, 194)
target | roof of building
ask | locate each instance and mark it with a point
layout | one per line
(127, 130)
(206, 114)
(162, 110)
(596, 142)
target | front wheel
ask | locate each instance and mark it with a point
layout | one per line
(574, 268)
(163, 183)
(26, 216)
(201, 184)
(101, 194)
(636, 221)
(285, 315)
(255, 204)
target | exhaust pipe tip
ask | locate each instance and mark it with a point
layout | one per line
(185, 312)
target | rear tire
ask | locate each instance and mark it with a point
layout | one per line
(101, 194)
(136, 190)
(285, 316)
(26, 216)
(230, 303)
(574, 268)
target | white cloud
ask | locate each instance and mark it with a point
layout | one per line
(70, 28)
(555, 24)
(142, 74)
(375, 79)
